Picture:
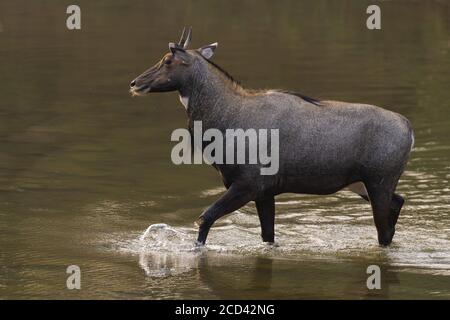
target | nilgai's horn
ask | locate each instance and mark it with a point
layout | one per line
(184, 40)
(188, 38)
(180, 43)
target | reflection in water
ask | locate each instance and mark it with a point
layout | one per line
(317, 233)
(262, 270)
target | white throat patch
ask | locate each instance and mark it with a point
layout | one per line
(184, 101)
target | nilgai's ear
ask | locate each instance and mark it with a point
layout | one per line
(174, 47)
(208, 51)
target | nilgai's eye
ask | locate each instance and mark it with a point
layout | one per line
(167, 61)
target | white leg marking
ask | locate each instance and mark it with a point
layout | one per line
(358, 188)
(184, 101)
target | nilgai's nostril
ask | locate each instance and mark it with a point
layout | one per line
(133, 83)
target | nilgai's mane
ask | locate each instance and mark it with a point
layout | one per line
(226, 74)
(302, 96)
(238, 85)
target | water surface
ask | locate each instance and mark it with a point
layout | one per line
(85, 170)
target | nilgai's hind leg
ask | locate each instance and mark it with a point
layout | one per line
(266, 214)
(234, 198)
(396, 203)
(381, 195)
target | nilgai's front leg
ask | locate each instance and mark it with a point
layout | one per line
(266, 213)
(234, 198)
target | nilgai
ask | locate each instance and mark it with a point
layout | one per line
(324, 146)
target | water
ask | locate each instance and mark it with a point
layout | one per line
(85, 170)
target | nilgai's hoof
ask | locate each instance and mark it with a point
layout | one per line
(272, 244)
(199, 244)
(386, 239)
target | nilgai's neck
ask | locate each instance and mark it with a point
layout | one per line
(211, 94)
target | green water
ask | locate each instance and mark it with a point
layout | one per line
(85, 169)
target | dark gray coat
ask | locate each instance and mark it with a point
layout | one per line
(324, 146)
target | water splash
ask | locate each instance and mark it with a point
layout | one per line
(167, 251)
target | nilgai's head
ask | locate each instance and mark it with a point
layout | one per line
(174, 69)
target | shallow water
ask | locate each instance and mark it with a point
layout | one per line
(86, 176)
